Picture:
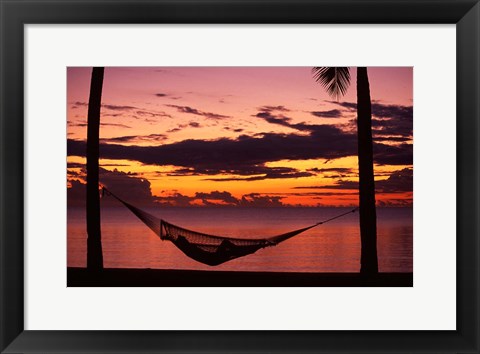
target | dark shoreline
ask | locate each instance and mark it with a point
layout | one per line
(121, 277)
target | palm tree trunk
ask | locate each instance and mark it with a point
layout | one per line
(368, 217)
(94, 238)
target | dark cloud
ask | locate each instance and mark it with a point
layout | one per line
(127, 186)
(183, 126)
(392, 111)
(259, 172)
(267, 173)
(75, 165)
(244, 155)
(217, 198)
(161, 95)
(332, 169)
(120, 139)
(74, 174)
(399, 181)
(274, 108)
(275, 119)
(312, 194)
(76, 124)
(135, 112)
(388, 120)
(135, 138)
(184, 172)
(115, 125)
(190, 110)
(334, 113)
(150, 114)
(282, 120)
(395, 202)
(176, 199)
(351, 106)
(77, 104)
(392, 127)
(391, 138)
(174, 130)
(84, 124)
(76, 193)
(114, 115)
(236, 130)
(236, 154)
(258, 200)
(112, 107)
(210, 198)
(268, 114)
(401, 154)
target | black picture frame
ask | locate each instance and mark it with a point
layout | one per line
(16, 13)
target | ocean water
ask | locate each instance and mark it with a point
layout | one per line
(332, 247)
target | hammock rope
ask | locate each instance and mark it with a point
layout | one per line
(211, 249)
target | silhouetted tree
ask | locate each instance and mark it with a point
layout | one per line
(336, 81)
(94, 238)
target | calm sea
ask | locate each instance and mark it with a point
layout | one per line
(332, 247)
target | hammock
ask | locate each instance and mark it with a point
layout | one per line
(209, 249)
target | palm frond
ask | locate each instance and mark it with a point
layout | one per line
(335, 80)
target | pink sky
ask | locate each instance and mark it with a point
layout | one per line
(168, 106)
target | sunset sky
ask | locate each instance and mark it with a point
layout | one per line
(239, 136)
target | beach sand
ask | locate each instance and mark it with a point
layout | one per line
(121, 277)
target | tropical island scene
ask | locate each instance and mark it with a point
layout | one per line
(240, 176)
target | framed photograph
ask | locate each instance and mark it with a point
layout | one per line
(240, 177)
